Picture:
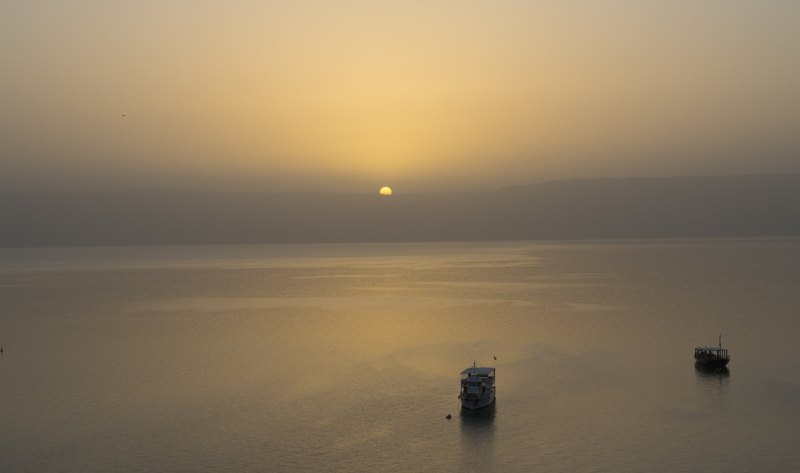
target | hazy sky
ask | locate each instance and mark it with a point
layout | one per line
(420, 95)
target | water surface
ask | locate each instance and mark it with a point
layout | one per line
(347, 357)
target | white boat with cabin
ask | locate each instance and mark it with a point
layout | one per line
(477, 387)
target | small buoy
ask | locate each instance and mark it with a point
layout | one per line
(448, 416)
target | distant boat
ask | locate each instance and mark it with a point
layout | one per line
(712, 357)
(477, 387)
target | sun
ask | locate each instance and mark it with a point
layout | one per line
(385, 191)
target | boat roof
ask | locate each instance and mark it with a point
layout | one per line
(479, 370)
(710, 348)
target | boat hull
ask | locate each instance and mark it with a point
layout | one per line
(476, 403)
(712, 362)
(712, 371)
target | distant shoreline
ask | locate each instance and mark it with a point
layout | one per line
(573, 210)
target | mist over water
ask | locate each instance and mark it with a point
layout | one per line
(347, 357)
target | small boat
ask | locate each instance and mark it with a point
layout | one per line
(712, 357)
(477, 387)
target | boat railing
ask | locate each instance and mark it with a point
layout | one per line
(718, 352)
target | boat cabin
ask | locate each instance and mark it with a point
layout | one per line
(711, 352)
(477, 387)
(711, 357)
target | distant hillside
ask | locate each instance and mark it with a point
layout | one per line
(736, 206)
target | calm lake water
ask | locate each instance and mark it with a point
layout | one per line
(347, 357)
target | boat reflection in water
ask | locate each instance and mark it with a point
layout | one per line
(711, 372)
(711, 379)
(479, 419)
(477, 439)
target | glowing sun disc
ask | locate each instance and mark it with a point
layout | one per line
(385, 191)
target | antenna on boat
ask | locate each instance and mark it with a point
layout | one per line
(720, 341)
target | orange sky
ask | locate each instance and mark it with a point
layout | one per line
(420, 95)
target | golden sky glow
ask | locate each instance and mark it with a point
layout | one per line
(430, 95)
